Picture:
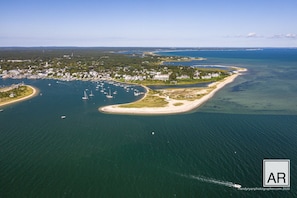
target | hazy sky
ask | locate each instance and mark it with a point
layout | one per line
(152, 23)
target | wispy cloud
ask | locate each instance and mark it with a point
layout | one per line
(289, 36)
(275, 36)
(251, 35)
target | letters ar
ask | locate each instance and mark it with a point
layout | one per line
(279, 176)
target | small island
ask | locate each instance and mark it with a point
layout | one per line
(16, 93)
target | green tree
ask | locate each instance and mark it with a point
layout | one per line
(172, 76)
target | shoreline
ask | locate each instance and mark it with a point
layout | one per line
(35, 92)
(170, 108)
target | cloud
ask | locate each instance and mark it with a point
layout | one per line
(251, 35)
(291, 35)
(282, 36)
(255, 35)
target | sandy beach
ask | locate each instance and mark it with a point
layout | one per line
(171, 108)
(35, 92)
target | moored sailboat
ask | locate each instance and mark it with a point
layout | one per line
(91, 94)
(85, 97)
(109, 95)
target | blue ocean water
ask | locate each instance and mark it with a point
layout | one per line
(197, 154)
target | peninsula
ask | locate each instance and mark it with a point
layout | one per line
(125, 65)
(16, 93)
(172, 101)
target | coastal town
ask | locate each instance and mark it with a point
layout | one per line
(118, 74)
(145, 68)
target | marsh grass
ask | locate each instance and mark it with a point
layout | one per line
(152, 99)
(178, 104)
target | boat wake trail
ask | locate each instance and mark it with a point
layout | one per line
(213, 181)
(262, 189)
(229, 184)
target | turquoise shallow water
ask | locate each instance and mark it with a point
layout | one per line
(269, 86)
(90, 154)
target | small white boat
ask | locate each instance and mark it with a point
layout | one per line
(85, 97)
(91, 94)
(236, 185)
(136, 93)
(63, 117)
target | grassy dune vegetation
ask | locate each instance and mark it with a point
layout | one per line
(152, 99)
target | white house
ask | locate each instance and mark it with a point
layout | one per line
(161, 77)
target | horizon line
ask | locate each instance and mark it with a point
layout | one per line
(69, 46)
